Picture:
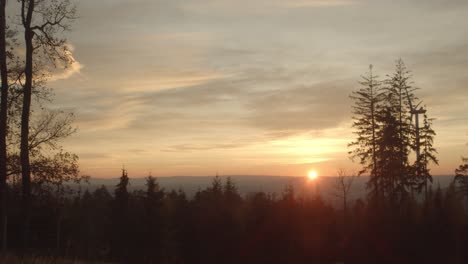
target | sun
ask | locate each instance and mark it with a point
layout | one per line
(312, 175)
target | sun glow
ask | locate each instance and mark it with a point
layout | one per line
(312, 175)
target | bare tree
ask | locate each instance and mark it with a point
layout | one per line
(42, 21)
(51, 167)
(342, 188)
(46, 131)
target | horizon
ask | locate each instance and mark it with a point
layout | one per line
(245, 175)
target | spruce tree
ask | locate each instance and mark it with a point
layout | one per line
(428, 153)
(154, 224)
(461, 177)
(398, 92)
(367, 102)
(388, 145)
(216, 188)
(120, 218)
(231, 194)
(121, 191)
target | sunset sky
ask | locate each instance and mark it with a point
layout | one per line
(254, 87)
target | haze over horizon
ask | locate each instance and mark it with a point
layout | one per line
(251, 87)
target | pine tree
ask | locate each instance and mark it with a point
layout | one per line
(120, 218)
(154, 224)
(153, 191)
(428, 152)
(121, 191)
(231, 194)
(398, 92)
(216, 188)
(388, 150)
(367, 102)
(461, 176)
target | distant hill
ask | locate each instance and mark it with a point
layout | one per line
(252, 184)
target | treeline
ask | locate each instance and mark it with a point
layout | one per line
(220, 226)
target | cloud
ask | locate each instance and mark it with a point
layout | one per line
(317, 3)
(193, 147)
(176, 80)
(65, 72)
(193, 81)
(302, 108)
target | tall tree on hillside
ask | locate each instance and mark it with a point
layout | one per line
(428, 152)
(398, 92)
(43, 22)
(366, 108)
(3, 121)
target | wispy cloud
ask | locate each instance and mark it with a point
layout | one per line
(250, 85)
(65, 72)
(317, 3)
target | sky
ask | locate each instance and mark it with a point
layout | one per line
(251, 87)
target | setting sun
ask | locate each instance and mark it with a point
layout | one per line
(312, 175)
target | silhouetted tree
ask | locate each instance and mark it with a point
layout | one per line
(461, 176)
(342, 188)
(231, 194)
(41, 21)
(389, 158)
(398, 91)
(3, 122)
(154, 222)
(121, 194)
(120, 218)
(428, 152)
(366, 109)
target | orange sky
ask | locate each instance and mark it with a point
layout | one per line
(254, 87)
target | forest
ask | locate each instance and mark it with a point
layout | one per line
(45, 218)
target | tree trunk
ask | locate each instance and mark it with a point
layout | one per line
(27, 91)
(3, 125)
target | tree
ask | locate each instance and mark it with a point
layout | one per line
(342, 188)
(388, 143)
(42, 22)
(153, 237)
(367, 103)
(428, 153)
(3, 122)
(231, 194)
(121, 194)
(398, 94)
(120, 215)
(461, 176)
(216, 187)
